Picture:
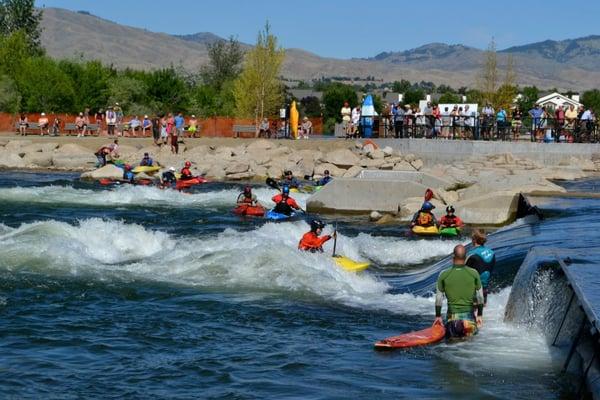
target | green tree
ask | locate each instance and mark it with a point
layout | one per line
(166, 91)
(22, 16)
(10, 99)
(529, 95)
(13, 53)
(45, 87)
(258, 91)
(449, 98)
(413, 96)
(224, 60)
(208, 102)
(311, 106)
(91, 80)
(129, 93)
(591, 99)
(401, 86)
(334, 97)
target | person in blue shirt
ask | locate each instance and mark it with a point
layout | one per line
(128, 174)
(536, 123)
(482, 259)
(325, 179)
(290, 180)
(179, 124)
(146, 161)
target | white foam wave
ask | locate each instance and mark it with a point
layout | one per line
(135, 195)
(262, 260)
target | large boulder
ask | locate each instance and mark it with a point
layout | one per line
(237, 168)
(343, 158)
(72, 148)
(74, 161)
(403, 166)
(372, 163)
(241, 176)
(259, 157)
(38, 160)
(352, 172)
(377, 154)
(13, 145)
(216, 172)
(495, 208)
(9, 159)
(333, 170)
(260, 145)
(417, 164)
(38, 147)
(109, 171)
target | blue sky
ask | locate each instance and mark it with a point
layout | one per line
(353, 28)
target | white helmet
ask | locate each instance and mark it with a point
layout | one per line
(172, 169)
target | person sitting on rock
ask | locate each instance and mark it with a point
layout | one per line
(146, 161)
(450, 220)
(128, 174)
(325, 179)
(311, 241)
(424, 217)
(168, 177)
(284, 204)
(186, 173)
(247, 197)
(290, 180)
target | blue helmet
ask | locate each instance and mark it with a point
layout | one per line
(427, 206)
(285, 189)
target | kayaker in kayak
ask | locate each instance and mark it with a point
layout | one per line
(311, 241)
(482, 259)
(450, 220)
(247, 197)
(168, 177)
(186, 173)
(325, 179)
(424, 217)
(284, 204)
(460, 284)
(290, 180)
(128, 174)
(146, 161)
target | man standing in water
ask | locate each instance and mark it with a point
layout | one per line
(460, 285)
(482, 259)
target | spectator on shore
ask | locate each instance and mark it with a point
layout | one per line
(587, 122)
(408, 121)
(56, 126)
(146, 125)
(420, 122)
(164, 129)
(469, 118)
(458, 122)
(536, 114)
(355, 120)
(23, 124)
(516, 123)
(114, 149)
(398, 113)
(172, 131)
(111, 121)
(501, 122)
(133, 125)
(179, 124)
(263, 128)
(446, 123)
(156, 129)
(81, 125)
(98, 120)
(346, 113)
(306, 127)
(571, 117)
(436, 114)
(192, 126)
(43, 123)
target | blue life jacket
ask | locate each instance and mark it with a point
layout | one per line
(483, 259)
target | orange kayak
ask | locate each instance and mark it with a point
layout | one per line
(182, 184)
(246, 209)
(419, 338)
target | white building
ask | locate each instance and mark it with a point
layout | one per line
(556, 99)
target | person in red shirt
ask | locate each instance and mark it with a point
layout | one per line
(450, 220)
(284, 204)
(186, 173)
(311, 241)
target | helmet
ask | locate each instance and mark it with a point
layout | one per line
(285, 189)
(427, 206)
(247, 190)
(326, 172)
(188, 164)
(316, 224)
(172, 169)
(127, 167)
(288, 172)
(450, 209)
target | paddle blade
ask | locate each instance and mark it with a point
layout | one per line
(428, 194)
(272, 183)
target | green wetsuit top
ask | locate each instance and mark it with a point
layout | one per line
(461, 285)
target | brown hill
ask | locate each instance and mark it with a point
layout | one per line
(565, 65)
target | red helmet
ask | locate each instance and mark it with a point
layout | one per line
(127, 167)
(188, 164)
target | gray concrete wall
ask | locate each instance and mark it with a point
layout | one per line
(434, 151)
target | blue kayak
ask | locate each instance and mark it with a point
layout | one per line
(272, 215)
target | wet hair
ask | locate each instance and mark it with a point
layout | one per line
(479, 237)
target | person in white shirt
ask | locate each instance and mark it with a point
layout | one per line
(346, 112)
(355, 120)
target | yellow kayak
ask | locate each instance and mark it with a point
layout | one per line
(425, 230)
(350, 265)
(140, 168)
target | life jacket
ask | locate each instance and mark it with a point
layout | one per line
(244, 199)
(186, 173)
(424, 219)
(311, 242)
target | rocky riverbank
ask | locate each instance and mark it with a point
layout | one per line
(473, 183)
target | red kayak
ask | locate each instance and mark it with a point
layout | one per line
(183, 184)
(419, 338)
(246, 209)
(108, 181)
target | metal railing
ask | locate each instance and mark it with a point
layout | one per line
(489, 128)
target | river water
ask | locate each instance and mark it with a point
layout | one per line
(136, 292)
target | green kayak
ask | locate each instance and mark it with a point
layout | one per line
(449, 232)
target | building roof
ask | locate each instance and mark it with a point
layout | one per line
(558, 99)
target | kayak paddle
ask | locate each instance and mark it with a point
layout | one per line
(334, 239)
(273, 183)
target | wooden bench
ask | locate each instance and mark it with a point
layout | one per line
(245, 131)
(70, 128)
(32, 127)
